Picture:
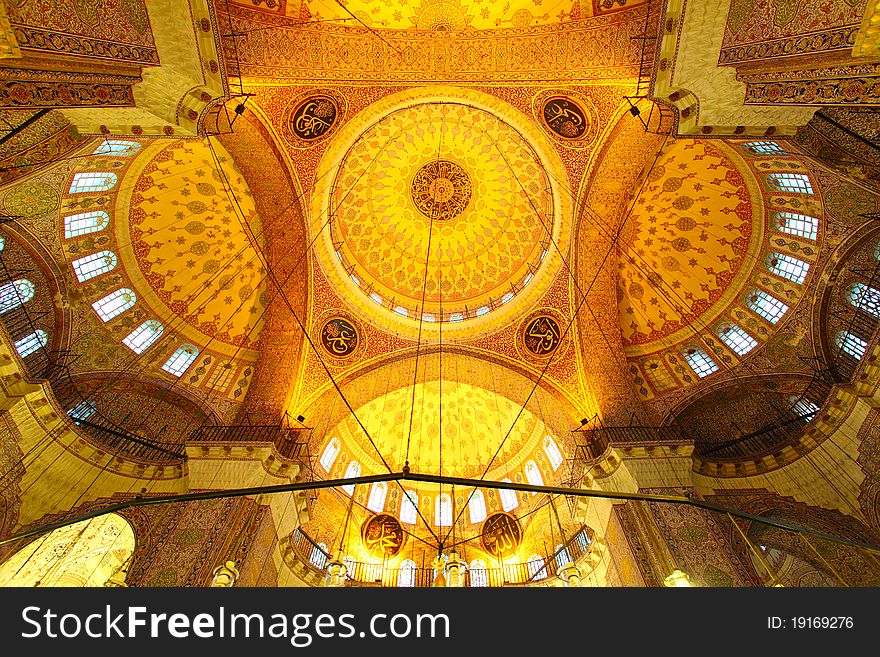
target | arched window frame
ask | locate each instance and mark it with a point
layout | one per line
(554, 454)
(509, 498)
(181, 360)
(406, 574)
(477, 507)
(114, 304)
(16, 293)
(699, 361)
(144, 336)
(94, 265)
(851, 344)
(764, 148)
(376, 499)
(117, 147)
(788, 267)
(93, 181)
(353, 470)
(737, 339)
(796, 183)
(533, 475)
(328, 456)
(766, 305)
(409, 507)
(443, 510)
(31, 343)
(84, 223)
(799, 225)
(864, 298)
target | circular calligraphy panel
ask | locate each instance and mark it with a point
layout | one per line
(313, 117)
(339, 337)
(441, 190)
(542, 335)
(501, 535)
(383, 536)
(564, 117)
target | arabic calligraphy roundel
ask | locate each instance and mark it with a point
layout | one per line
(501, 535)
(569, 120)
(313, 117)
(383, 535)
(339, 337)
(542, 335)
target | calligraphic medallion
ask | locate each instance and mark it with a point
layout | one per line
(501, 535)
(339, 337)
(565, 117)
(313, 117)
(441, 190)
(383, 536)
(542, 335)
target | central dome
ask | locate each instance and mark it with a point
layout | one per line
(449, 183)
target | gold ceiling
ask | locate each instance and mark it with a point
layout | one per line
(472, 427)
(447, 180)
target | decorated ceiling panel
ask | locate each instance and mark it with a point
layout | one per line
(441, 15)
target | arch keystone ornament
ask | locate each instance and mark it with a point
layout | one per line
(501, 535)
(383, 536)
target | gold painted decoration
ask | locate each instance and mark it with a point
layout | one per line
(441, 190)
(542, 335)
(569, 118)
(339, 337)
(383, 536)
(501, 535)
(564, 117)
(313, 116)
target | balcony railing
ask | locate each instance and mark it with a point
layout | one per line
(290, 442)
(535, 572)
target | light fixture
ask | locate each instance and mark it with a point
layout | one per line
(677, 578)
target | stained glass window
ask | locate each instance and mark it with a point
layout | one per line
(331, 451)
(353, 470)
(800, 225)
(788, 267)
(409, 507)
(477, 507)
(376, 501)
(865, 298)
(181, 360)
(737, 339)
(851, 344)
(552, 452)
(768, 307)
(116, 147)
(115, 303)
(509, 500)
(15, 294)
(93, 181)
(790, 182)
(31, 342)
(94, 264)
(700, 362)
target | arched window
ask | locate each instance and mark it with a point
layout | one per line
(114, 303)
(83, 410)
(443, 510)
(768, 307)
(700, 362)
(93, 181)
(406, 576)
(84, 223)
(537, 569)
(318, 556)
(143, 336)
(85, 554)
(94, 265)
(400, 310)
(509, 500)
(877, 251)
(551, 449)
(533, 475)
(800, 225)
(563, 558)
(353, 470)
(788, 267)
(477, 507)
(31, 342)
(376, 501)
(865, 298)
(765, 148)
(790, 182)
(15, 294)
(804, 408)
(117, 147)
(409, 503)
(737, 339)
(331, 451)
(2, 242)
(851, 344)
(479, 573)
(181, 360)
